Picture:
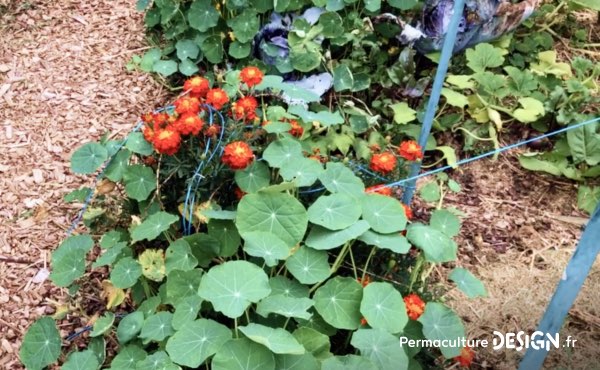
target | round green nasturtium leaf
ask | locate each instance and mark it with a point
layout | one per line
(165, 67)
(188, 67)
(334, 212)
(303, 171)
(381, 348)
(430, 192)
(245, 26)
(468, 283)
(227, 237)
(88, 158)
(111, 255)
(267, 246)
(98, 347)
(277, 213)
(338, 302)
(84, 360)
(280, 285)
(441, 323)
(197, 341)
(41, 344)
(285, 306)
(233, 286)
(103, 324)
(212, 47)
(384, 214)
(395, 242)
(331, 22)
(182, 284)
(297, 362)
(125, 273)
(128, 357)
(186, 311)
(157, 327)
(159, 360)
(323, 239)
(202, 15)
(436, 245)
(149, 306)
(445, 221)
(337, 178)
(317, 323)
(383, 307)
(348, 362)
(240, 50)
(138, 144)
(309, 266)
(68, 260)
(282, 152)
(153, 226)
(204, 246)
(130, 326)
(243, 354)
(314, 342)
(153, 264)
(139, 181)
(254, 177)
(187, 49)
(117, 166)
(278, 340)
(179, 257)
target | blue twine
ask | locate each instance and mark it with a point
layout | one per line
(88, 328)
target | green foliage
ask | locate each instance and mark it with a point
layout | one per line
(41, 344)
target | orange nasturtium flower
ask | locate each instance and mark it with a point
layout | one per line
(237, 155)
(189, 124)
(407, 211)
(217, 98)
(197, 86)
(384, 162)
(251, 76)
(466, 357)
(414, 306)
(379, 189)
(187, 104)
(410, 150)
(364, 282)
(167, 141)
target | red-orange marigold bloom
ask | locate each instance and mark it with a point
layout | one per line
(213, 130)
(466, 357)
(189, 124)
(245, 108)
(380, 189)
(148, 133)
(217, 98)
(364, 282)
(251, 76)
(410, 150)
(414, 306)
(407, 211)
(167, 141)
(147, 118)
(237, 155)
(198, 86)
(187, 104)
(297, 130)
(384, 162)
(159, 119)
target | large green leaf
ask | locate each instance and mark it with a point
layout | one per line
(303, 171)
(437, 246)
(584, 143)
(445, 221)
(532, 110)
(309, 266)
(334, 212)
(186, 311)
(153, 226)
(384, 214)
(157, 327)
(227, 237)
(278, 340)
(165, 67)
(441, 323)
(592, 4)
(103, 324)
(117, 166)
(179, 256)
(111, 255)
(297, 362)
(266, 245)
(68, 260)
(138, 144)
(348, 362)
(280, 285)
(342, 78)
(394, 242)
(197, 341)
(187, 49)
(130, 326)
(381, 348)
(245, 26)
(183, 284)
(159, 360)
(125, 273)
(202, 15)
(84, 360)
(468, 283)
(254, 177)
(243, 354)
(314, 342)
(281, 153)
(338, 302)
(88, 158)
(212, 47)
(231, 287)
(128, 357)
(323, 239)
(338, 178)
(285, 306)
(383, 307)
(277, 213)
(41, 344)
(139, 181)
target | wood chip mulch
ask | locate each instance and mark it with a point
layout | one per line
(63, 82)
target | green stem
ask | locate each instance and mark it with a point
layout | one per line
(442, 194)
(472, 134)
(146, 287)
(415, 272)
(336, 264)
(371, 254)
(286, 323)
(235, 327)
(353, 263)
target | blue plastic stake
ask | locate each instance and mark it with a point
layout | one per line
(568, 288)
(434, 98)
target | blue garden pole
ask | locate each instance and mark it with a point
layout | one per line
(568, 288)
(434, 98)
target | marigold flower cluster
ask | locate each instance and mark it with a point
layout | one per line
(466, 357)
(414, 306)
(386, 162)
